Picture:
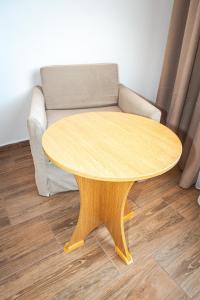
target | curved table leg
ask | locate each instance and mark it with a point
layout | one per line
(89, 217)
(102, 202)
(128, 213)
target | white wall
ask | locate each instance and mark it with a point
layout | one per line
(36, 33)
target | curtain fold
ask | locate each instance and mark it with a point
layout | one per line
(179, 90)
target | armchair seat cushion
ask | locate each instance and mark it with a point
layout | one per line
(54, 115)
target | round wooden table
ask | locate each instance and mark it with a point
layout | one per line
(107, 152)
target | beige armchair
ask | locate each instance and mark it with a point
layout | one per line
(73, 89)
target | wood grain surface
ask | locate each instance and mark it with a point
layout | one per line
(109, 151)
(111, 146)
(102, 203)
(164, 235)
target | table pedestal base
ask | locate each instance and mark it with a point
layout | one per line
(102, 202)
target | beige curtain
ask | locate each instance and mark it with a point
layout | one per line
(179, 90)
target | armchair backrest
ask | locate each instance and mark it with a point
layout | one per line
(80, 86)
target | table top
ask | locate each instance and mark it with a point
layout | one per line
(111, 146)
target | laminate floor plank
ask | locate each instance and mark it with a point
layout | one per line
(147, 190)
(87, 286)
(181, 200)
(25, 244)
(164, 237)
(4, 220)
(145, 237)
(20, 209)
(56, 272)
(180, 242)
(150, 282)
(185, 268)
(62, 220)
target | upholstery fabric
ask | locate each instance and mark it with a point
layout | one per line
(130, 102)
(49, 179)
(75, 89)
(54, 115)
(80, 86)
(37, 123)
(59, 180)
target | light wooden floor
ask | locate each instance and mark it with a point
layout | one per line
(164, 238)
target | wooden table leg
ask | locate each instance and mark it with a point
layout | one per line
(102, 202)
(128, 213)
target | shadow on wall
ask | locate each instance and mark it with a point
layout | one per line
(35, 77)
(17, 110)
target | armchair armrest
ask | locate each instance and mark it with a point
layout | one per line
(131, 102)
(37, 123)
(37, 115)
